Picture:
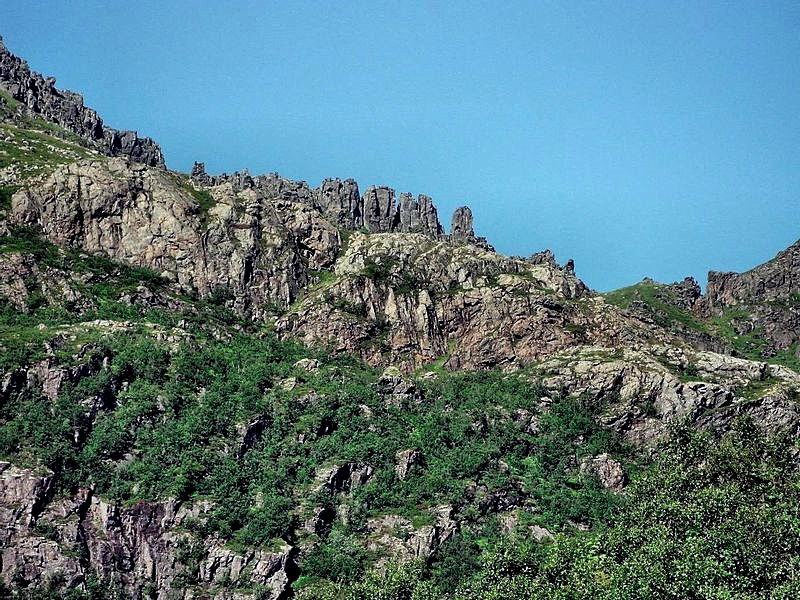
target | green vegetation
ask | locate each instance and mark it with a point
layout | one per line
(659, 301)
(6, 192)
(756, 389)
(463, 430)
(8, 106)
(379, 272)
(733, 326)
(710, 519)
(175, 414)
(97, 293)
(35, 150)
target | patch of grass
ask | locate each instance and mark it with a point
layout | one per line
(8, 105)
(379, 271)
(34, 153)
(756, 389)
(322, 278)
(788, 358)
(204, 199)
(749, 345)
(660, 302)
(357, 309)
(576, 328)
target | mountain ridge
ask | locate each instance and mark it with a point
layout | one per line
(244, 387)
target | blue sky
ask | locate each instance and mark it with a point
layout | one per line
(655, 139)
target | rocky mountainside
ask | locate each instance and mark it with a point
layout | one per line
(243, 386)
(28, 94)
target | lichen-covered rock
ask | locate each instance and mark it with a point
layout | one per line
(395, 537)
(461, 231)
(608, 470)
(406, 459)
(407, 300)
(343, 478)
(764, 300)
(646, 390)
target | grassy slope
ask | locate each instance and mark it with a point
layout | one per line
(657, 300)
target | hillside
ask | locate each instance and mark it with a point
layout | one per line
(243, 386)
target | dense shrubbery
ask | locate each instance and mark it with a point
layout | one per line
(173, 420)
(710, 519)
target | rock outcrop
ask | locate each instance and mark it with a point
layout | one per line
(645, 391)
(461, 230)
(144, 550)
(762, 302)
(253, 252)
(608, 470)
(339, 201)
(41, 98)
(405, 299)
(775, 280)
(395, 537)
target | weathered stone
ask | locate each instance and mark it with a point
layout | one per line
(607, 470)
(137, 547)
(395, 537)
(310, 365)
(343, 478)
(320, 520)
(644, 392)
(254, 252)
(417, 216)
(341, 202)
(407, 459)
(379, 209)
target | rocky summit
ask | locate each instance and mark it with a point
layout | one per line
(243, 386)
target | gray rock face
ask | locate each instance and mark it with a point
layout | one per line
(686, 293)
(461, 230)
(395, 537)
(769, 297)
(339, 201)
(343, 478)
(776, 279)
(418, 216)
(254, 251)
(138, 547)
(41, 98)
(379, 209)
(430, 299)
(608, 471)
(649, 394)
(407, 459)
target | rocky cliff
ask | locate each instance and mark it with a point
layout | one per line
(35, 95)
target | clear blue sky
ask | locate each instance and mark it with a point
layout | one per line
(653, 139)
